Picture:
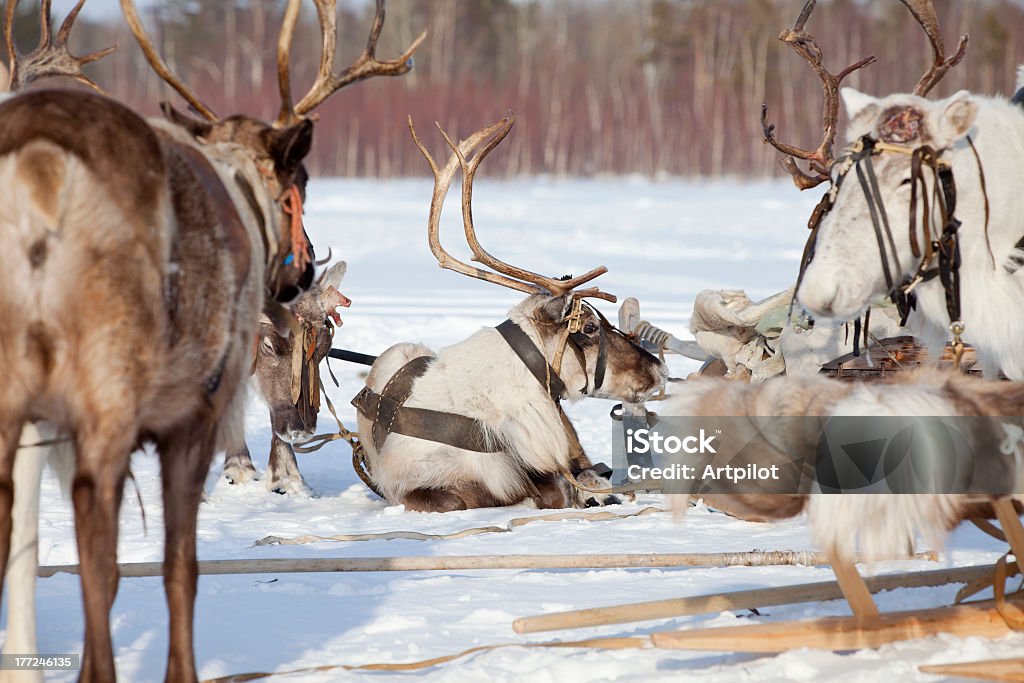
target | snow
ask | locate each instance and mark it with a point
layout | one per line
(662, 242)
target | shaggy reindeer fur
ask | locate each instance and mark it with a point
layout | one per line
(272, 368)
(483, 378)
(877, 525)
(845, 275)
(143, 233)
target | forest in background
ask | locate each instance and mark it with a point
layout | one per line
(599, 86)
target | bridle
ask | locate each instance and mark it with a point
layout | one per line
(572, 336)
(940, 255)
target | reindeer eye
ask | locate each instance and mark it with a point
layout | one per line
(589, 328)
(906, 181)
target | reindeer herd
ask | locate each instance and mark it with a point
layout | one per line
(180, 241)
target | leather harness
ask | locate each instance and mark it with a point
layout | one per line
(389, 414)
(943, 249)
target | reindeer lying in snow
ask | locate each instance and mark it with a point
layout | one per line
(286, 368)
(479, 423)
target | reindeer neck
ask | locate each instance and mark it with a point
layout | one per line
(991, 297)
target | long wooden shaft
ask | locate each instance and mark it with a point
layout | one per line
(980, 620)
(461, 562)
(745, 599)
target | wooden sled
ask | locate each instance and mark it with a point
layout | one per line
(894, 354)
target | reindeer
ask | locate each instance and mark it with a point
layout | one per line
(286, 369)
(479, 423)
(837, 522)
(921, 210)
(169, 237)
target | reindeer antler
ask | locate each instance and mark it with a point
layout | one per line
(506, 275)
(820, 159)
(51, 57)
(923, 12)
(327, 82)
(131, 16)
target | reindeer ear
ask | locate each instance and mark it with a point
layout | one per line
(856, 101)
(332, 276)
(556, 308)
(197, 128)
(332, 300)
(289, 146)
(957, 118)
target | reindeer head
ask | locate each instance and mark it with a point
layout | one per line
(603, 361)
(878, 186)
(287, 366)
(268, 158)
(850, 268)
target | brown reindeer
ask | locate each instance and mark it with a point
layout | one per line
(286, 370)
(164, 237)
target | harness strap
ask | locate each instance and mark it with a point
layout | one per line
(389, 414)
(533, 359)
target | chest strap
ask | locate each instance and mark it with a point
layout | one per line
(389, 414)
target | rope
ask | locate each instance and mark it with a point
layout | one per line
(628, 643)
(318, 441)
(464, 533)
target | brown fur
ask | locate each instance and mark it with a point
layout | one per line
(144, 244)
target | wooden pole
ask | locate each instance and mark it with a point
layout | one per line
(842, 633)
(854, 589)
(1008, 519)
(1007, 670)
(746, 599)
(755, 558)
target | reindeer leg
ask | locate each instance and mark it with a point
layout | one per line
(10, 432)
(283, 474)
(238, 467)
(852, 585)
(21, 578)
(184, 463)
(103, 457)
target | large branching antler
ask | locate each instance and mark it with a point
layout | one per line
(51, 57)
(131, 15)
(505, 274)
(327, 82)
(820, 159)
(923, 12)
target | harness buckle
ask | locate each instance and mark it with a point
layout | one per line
(957, 328)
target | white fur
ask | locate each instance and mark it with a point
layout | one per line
(884, 525)
(24, 560)
(845, 275)
(481, 377)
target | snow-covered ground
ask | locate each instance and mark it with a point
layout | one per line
(662, 242)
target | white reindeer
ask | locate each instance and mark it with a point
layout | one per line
(473, 425)
(854, 259)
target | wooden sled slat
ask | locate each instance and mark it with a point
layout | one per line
(745, 599)
(1004, 670)
(894, 354)
(842, 633)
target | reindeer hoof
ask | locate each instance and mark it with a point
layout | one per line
(239, 475)
(592, 480)
(289, 486)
